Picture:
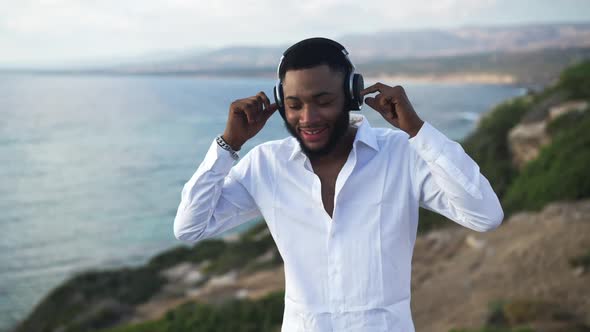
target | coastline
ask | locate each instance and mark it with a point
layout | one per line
(431, 78)
(457, 78)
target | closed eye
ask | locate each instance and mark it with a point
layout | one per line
(325, 102)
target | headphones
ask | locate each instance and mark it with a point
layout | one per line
(353, 82)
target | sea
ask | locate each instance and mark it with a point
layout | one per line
(91, 167)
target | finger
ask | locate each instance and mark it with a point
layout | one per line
(377, 87)
(237, 109)
(269, 111)
(372, 102)
(258, 106)
(386, 109)
(251, 110)
(387, 106)
(385, 101)
(262, 96)
(257, 101)
(376, 102)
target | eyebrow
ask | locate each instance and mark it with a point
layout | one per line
(317, 95)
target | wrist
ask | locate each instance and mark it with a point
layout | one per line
(415, 129)
(224, 145)
(235, 145)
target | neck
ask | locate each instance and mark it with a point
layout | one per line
(340, 151)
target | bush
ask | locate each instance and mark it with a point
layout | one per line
(559, 173)
(239, 254)
(576, 80)
(495, 329)
(261, 315)
(65, 305)
(489, 147)
(209, 249)
(581, 261)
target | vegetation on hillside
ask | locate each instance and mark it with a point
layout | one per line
(99, 299)
(111, 294)
(517, 315)
(264, 315)
(560, 170)
(224, 256)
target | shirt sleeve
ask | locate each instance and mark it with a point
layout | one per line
(214, 200)
(449, 182)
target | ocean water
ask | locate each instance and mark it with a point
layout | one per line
(91, 167)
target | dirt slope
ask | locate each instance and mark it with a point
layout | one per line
(458, 272)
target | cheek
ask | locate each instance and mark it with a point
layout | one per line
(291, 117)
(333, 113)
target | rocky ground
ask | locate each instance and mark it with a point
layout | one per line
(458, 274)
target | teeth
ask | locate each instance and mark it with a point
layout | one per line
(312, 132)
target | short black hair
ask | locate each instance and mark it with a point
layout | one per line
(312, 54)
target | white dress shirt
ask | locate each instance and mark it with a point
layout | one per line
(350, 272)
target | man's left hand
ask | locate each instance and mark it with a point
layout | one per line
(393, 104)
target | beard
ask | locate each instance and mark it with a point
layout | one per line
(339, 130)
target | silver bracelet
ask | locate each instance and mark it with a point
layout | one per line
(223, 144)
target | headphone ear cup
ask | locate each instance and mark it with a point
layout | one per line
(358, 84)
(278, 95)
(347, 95)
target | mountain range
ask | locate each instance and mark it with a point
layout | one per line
(388, 45)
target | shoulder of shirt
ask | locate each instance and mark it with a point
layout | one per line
(391, 137)
(273, 148)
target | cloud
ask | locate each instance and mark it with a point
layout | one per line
(49, 30)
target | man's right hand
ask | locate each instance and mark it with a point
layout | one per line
(246, 118)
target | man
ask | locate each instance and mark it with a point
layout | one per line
(340, 198)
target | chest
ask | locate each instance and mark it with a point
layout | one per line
(314, 195)
(328, 175)
(319, 215)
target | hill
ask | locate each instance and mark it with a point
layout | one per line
(531, 55)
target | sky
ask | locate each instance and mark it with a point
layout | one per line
(54, 32)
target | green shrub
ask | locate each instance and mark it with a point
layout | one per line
(67, 303)
(261, 315)
(489, 147)
(559, 173)
(209, 249)
(576, 80)
(239, 254)
(223, 256)
(581, 261)
(495, 329)
(524, 311)
(566, 121)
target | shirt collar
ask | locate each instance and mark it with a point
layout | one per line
(364, 134)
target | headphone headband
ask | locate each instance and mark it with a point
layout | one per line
(316, 40)
(353, 83)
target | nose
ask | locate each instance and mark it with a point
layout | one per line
(309, 114)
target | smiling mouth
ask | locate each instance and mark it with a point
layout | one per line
(314, 131)
(313, 135)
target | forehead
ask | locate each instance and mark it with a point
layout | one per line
(307, 82)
